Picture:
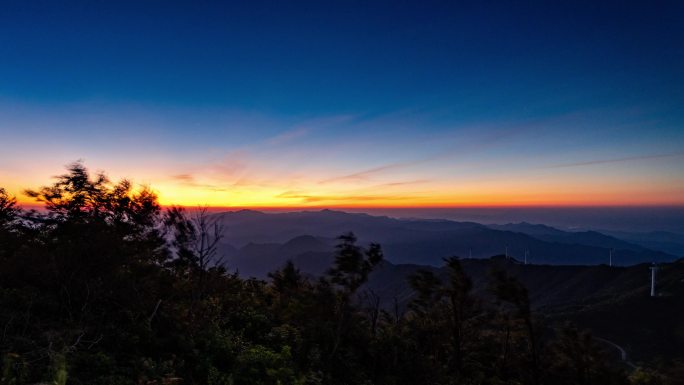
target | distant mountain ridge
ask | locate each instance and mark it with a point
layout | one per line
(257, 242)
(551, 234)
(669, 242)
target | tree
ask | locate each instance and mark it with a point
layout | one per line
(8, 209)
(195, 242)
(441, 310)
(10, 228)
(350, 270)
(353, 263)
(575, 358)
(286, 281)
(92, 261)
(508, 289)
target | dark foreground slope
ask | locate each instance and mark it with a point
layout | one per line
(613, 302)
(551, 288)
(650, 328)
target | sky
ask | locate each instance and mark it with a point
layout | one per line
(349, 103)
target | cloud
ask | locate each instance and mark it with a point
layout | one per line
(452, 146)
(189, 180)
(186, 178)
(306, 127)
(288, 136)
(365, 173)
(406, 183)
(314, 198)
(233, 163)
(616, 160)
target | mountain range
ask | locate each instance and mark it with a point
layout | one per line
(256, 243)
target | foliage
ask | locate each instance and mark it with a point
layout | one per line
(106, 287)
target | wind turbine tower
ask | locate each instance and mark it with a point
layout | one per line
(526, 253)
(610, 257)
(654, 268)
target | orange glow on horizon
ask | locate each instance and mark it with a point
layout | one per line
(273, 203)
(301, 193)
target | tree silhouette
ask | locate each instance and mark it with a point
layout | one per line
(441, 311)
(106, 287)
(509, 290)
(353, 263)
(8, 209)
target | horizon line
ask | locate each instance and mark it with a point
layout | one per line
(24, 205)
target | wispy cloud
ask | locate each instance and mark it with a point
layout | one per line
(362, 175)
(330, 198)
(449, 146)
(288, 136)
(305, 128)
(190, 181)
(617, 160)
(405, 183)
(185, 178)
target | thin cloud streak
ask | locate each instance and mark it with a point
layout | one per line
(315, 198)
(190, 181)
(288, 136)
(185, 178)
(616, 160)
(304, 129)
(457, 149)
(407, 183)
(365, 173)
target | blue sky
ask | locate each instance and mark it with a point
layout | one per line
(437, 102)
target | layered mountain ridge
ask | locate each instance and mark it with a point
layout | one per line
(256, 243)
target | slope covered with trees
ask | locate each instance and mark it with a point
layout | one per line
(106, 287)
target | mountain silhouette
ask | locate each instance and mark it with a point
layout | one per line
(551, 234)
(266, 240)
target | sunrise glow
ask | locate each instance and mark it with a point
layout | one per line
(348, 120)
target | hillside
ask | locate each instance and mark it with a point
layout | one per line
(614, 303)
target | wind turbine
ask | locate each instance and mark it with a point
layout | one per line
(654, 268)
(610, 257)
(526, 252)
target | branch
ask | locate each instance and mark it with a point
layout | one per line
(149, 320)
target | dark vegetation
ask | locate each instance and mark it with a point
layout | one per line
(107, 288)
